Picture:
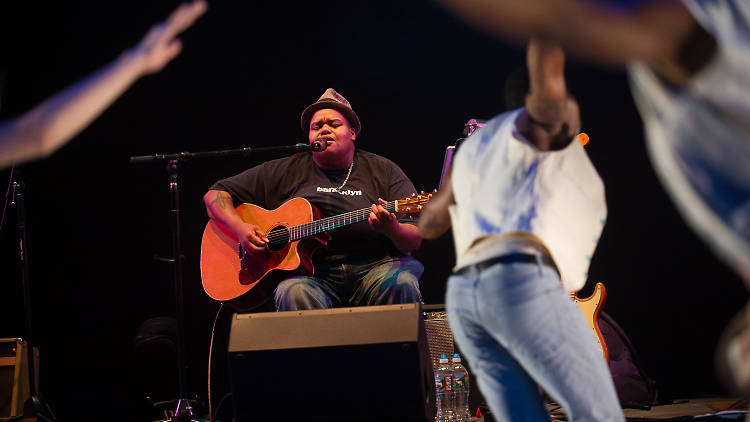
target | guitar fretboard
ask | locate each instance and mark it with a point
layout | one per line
(333, 222)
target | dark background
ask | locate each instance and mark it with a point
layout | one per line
(414, 74)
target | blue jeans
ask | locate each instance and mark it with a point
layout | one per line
(519, 330)
(382, 282)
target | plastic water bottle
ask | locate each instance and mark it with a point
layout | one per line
(444, 389)
(461, 381)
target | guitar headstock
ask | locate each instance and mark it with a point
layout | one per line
(414, 203)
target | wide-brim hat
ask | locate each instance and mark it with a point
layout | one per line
(336, 101)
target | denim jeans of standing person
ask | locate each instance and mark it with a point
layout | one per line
(352, 283)
(519, 330)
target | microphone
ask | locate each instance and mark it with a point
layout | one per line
(319, 145)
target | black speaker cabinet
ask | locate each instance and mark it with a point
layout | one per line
(347, 364)
(14, 376)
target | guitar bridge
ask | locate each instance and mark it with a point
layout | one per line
(242, 255)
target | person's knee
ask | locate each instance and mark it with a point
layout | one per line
(407, 280)
(413, 267)
(293, 294)
(404, 287)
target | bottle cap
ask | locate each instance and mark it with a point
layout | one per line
(456, 357)
(443, 358)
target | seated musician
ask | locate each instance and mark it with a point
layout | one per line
(365, 263)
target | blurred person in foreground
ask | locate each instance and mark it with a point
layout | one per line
(689, 67)
(526, 207)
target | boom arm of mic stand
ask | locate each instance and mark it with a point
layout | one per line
(239, 152)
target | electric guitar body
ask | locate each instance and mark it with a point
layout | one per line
(591, 306)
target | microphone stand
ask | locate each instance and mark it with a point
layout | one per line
(34, 406)
(184, 411)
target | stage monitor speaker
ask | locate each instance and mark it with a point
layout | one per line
(14, 376)
(347, 364)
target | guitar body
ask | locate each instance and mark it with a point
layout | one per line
(245, 287)
(295, 230)
(591, 307)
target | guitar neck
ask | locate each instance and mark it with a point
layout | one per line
(334, 222)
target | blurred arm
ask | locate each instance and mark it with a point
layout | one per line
(435, 219)
(48, 126)
(655, 32)
(551, 117)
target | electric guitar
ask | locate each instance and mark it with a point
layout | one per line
(294, 231)
(591, 307)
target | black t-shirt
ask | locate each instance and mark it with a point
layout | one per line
(272, 183)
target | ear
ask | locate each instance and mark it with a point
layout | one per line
(354, 133)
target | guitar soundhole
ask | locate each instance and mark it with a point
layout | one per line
(278, 237)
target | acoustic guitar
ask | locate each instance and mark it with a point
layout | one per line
(294, 230)
(591, 306)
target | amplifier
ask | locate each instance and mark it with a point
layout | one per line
(440, 339)
(439, 335)
(364, 364)
(14, 376)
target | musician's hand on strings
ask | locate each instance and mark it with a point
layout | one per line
(160, 45)
(252, 238)
(381, 220)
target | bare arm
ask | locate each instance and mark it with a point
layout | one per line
(404, 236)
(48, 126)
(221, 210)
(655, 32)
(551, 117)
(435, 219)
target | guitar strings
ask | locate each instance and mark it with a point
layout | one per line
(304, 230)
(329, 223)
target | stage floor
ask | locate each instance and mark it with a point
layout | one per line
(698, 409)
(703, 409)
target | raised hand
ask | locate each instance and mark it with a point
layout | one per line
(160, 44)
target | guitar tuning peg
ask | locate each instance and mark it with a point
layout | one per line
(422, 193)
(414, 194)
